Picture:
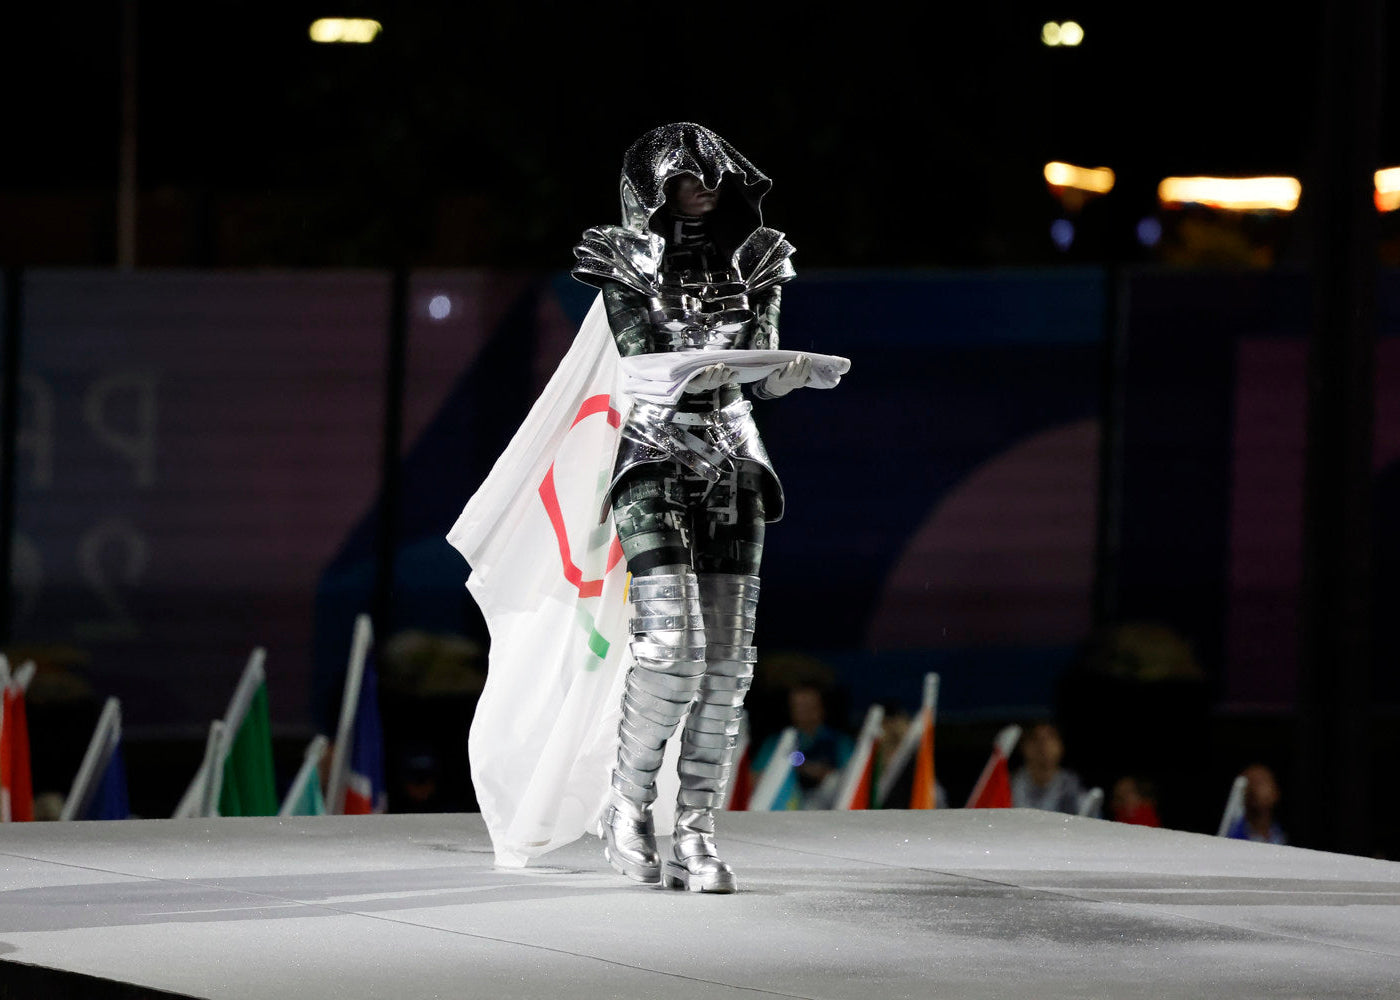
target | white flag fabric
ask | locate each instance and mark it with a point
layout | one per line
(551, 582)
(662, 377)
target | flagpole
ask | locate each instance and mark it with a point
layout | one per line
(350, 701)
(215, 752)
(98, 755)
(1234, 805)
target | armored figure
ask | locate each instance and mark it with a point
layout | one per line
(691, 268)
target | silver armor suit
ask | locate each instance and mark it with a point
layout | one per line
(691, 488)
(663, 297)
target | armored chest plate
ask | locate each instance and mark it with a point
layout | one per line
(708, 312)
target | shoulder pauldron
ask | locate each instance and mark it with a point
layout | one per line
(613, 253)
(764, 259)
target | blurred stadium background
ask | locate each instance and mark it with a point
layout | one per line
(1111, 451)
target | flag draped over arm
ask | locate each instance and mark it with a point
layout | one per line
(551, 582)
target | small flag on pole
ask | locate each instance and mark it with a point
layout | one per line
(1234, 806)
(739, 789)
(235, 778)
(99, 787)
(356, 784)
(247, 785)
(16, 788)
(858, 781)
(993, 788)
(193, 802)
(304, 796)
(910, 767)
(777, 785)
(1091, 803)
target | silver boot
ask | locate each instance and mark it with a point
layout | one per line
(730, 603)
(668, 647)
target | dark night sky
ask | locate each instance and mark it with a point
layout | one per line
(893, 138)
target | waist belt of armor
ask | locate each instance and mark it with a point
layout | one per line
(705, 449)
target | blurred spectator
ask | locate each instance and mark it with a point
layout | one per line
(48, 806)
(417, 776)
(1134, 801)
(776, 676)
(429, 686)
(821, 750)
(1123, 707)
(1041, 783)
(1261, 797)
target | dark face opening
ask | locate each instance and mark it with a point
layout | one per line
(686, 194)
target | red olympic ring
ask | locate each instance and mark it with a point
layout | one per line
(586, 588)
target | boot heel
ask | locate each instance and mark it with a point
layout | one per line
(673, 876)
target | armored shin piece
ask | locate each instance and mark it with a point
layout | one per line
(668, 646)
(730, 603)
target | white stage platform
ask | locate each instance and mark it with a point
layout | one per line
(958, 904)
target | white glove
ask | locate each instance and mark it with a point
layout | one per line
(710, 378)
(793, 375)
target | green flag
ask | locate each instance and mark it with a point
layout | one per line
(249, 787)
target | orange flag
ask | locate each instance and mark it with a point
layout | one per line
(924, 794)
(993, 789)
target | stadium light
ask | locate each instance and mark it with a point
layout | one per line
(1388, 189)
(1236, 194)
(1057, 33)
(1095, 180)
(354, 30)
